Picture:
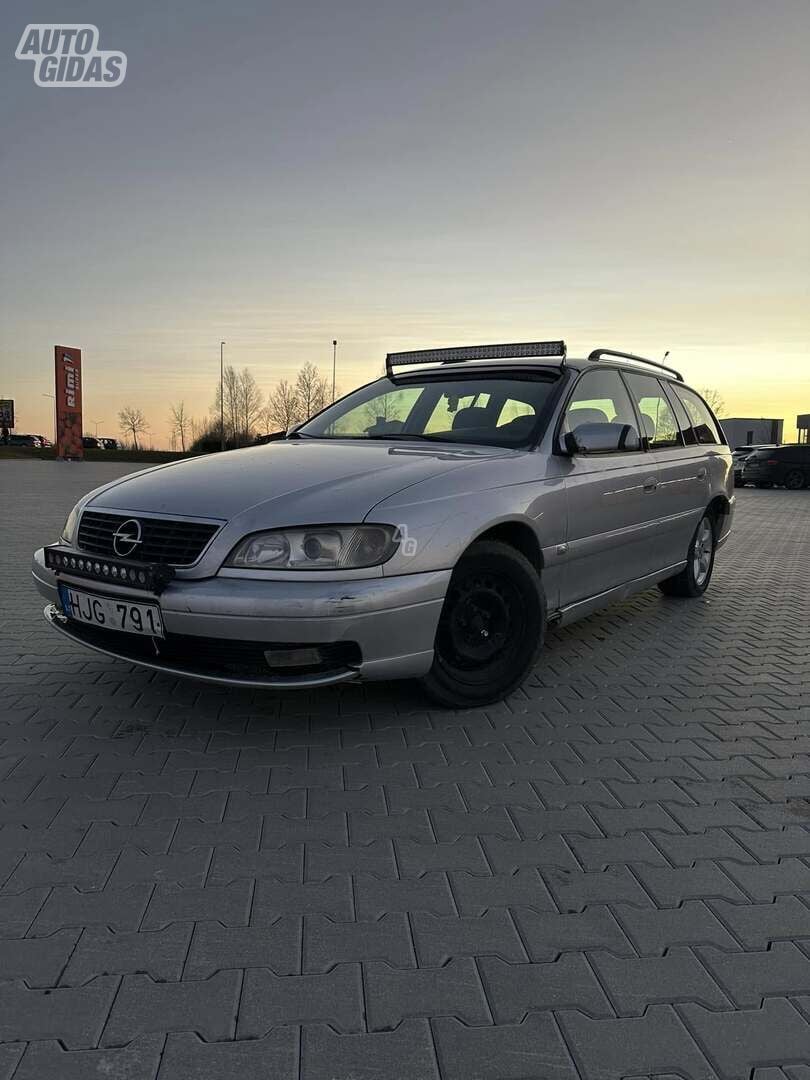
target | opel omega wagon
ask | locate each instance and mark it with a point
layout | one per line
(429, 525)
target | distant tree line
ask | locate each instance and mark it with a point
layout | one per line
(243, 412)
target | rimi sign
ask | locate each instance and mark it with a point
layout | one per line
(68, 375)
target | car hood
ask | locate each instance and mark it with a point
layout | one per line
(289, 482)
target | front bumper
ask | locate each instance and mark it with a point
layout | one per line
(392, 620)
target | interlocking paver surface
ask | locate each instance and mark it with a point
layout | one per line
(607, 876)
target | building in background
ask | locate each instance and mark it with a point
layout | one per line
(750, 431)
(7, 413)
(803, 426)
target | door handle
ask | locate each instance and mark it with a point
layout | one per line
(701, 474)
(650, 484)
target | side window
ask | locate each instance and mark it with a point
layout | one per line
(659, 425)
(703, 422)
(384, 414)
(681, 415)
(599, 397)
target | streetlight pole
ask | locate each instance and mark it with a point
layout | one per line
(97, 422)
(221, 397)
(334, 365)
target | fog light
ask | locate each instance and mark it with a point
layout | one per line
(285, 658)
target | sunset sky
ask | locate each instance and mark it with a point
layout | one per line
(626, 173)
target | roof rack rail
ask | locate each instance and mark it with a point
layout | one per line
(597, 354)
(517, 350)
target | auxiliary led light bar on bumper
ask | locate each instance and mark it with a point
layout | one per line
(153, 577)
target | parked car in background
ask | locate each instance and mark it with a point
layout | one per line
(24, 440)
(430, 524)
(44, 441)
(785, 466)
(89, 442)
(740, 453)
(109, 444)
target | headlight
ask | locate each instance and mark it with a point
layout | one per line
(69, 528)
(320, 547)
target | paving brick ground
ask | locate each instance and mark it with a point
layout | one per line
(608, 876)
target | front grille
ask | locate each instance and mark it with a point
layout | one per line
(163, 540)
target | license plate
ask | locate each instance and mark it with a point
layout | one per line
(112, 613)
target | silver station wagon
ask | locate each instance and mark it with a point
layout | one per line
(429, 525)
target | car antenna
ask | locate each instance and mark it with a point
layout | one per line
(664, 357)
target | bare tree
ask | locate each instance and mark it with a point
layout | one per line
(180, 423)
(312, 390)
(283, 408)
(714, 400)
(386, 407)
(250, 403)
(133, 422)
(230, 398)
(200, 428)
(242, 405)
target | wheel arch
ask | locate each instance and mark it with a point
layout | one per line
(518, 535)
(720, 510)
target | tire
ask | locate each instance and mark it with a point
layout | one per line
(794, 480)
(491, 628)
(694, 579)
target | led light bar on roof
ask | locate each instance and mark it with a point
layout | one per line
(517, 350)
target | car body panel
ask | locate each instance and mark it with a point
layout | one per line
(611, 517)
(684, 485)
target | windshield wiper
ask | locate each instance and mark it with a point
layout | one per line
(406, 435)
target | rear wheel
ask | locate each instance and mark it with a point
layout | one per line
(794, 481)
(491, 627)
(694, 579)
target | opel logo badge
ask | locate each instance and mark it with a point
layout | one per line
(127, 537)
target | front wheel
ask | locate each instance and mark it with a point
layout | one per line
(694, 579)
(490, 630)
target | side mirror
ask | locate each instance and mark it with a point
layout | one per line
(600, 438)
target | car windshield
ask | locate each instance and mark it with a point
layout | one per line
(485, 410)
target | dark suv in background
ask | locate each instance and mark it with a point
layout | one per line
(787, 466)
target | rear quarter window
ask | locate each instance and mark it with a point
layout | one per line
(706, 428)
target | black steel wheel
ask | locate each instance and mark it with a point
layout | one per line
(491, 627)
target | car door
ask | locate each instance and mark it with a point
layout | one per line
(610, 496)
(683, 478)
